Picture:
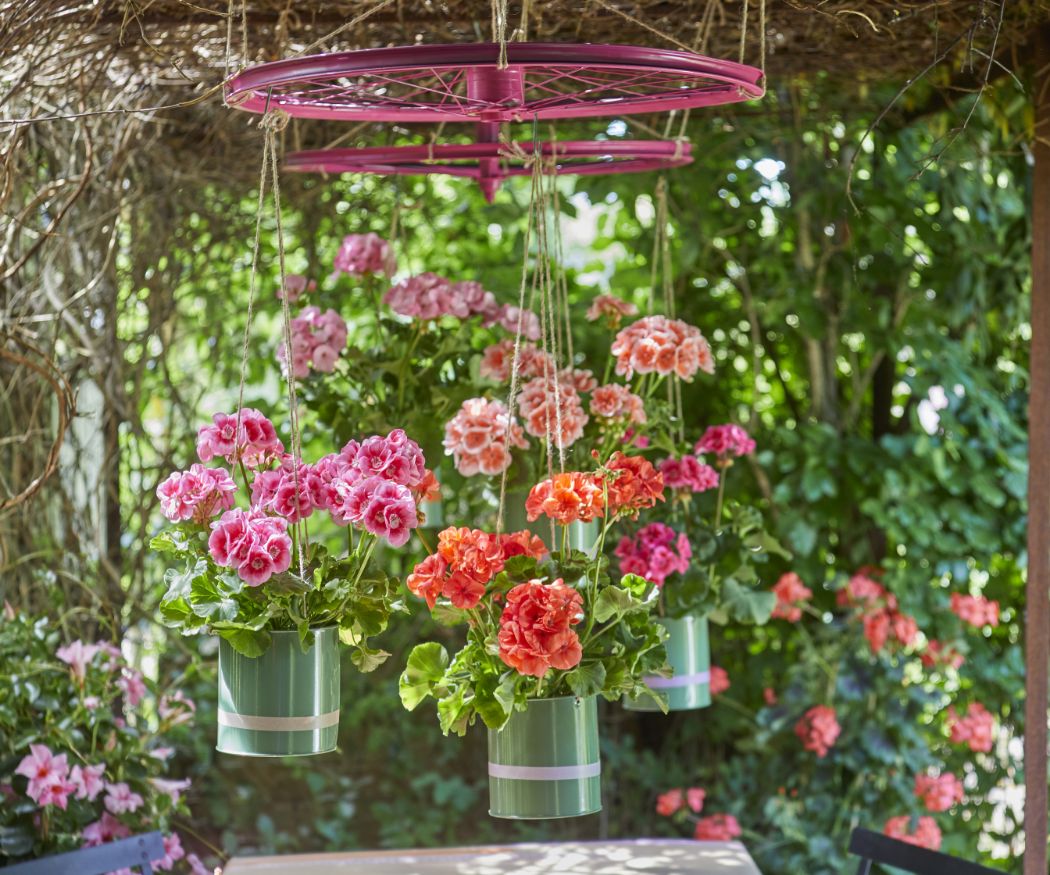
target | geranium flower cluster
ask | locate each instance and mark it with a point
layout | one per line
(719, 680)
(197, 494)
(624, 485)
(938, 792)
(940, 655)
(465, 561)
(535, 628)
(672, 801)
(976, 729)
(364, 255)
(318, 339)
(818, 730)
(726, 442)
(552, 406)
(688, 475)
(254, 444)
(654, 553)
(976, 610)
(498, 359)
(253, 543)
(927, 834)
(480, 437)
(717, 828)
(791, 593)
(883, 622)
(656, 344)
(613, 401)
(295, 286)
(430, 296)
(611, 309)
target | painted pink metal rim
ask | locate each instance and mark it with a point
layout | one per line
(255, 89)
(635, 156)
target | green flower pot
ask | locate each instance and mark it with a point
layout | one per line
(283, 703)
(689, 654)
(582, 536)
(545, 762)
(434, 513)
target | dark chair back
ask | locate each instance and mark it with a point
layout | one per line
(124, 853)
(874, 847)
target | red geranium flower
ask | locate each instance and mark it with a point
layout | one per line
(634, 485)
(535, 627)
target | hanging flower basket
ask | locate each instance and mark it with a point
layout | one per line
(689, 654)
(545, 761)
(283, 703)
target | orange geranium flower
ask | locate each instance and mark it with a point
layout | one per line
(566, 498)
(522, 543)
(536, 631)
(635, 484)
(428, 578)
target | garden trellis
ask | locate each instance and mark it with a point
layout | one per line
(862, 41)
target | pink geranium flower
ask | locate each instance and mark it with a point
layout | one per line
(975, 729)
(938, 792)
(611, 309)
(688, 474)
(497, 361)
(317, 341)
(255, 444)
(719, 680)
(255, 544)
(197, 494)
(694, 798)
(364, 254)
(480, 438)
(656, 344)
(614, 401)
(818, 730)
(295, 286)
(725, 441)
(655, 553)
(717, 828)
(976, 610)
(552, 406)
(669, 803)
(791, 593)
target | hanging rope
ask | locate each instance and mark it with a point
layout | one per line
(743, 31)
(499, 30)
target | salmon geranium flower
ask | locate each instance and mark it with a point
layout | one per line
(566, 498)
(536, 633)
(634, 484)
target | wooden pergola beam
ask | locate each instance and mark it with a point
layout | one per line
(1037, 592)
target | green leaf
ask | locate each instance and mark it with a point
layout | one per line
(586, 679)
(180, 583)
(614, 602)
(426, 667)
(368, 659)
(247, 642)
(745, 605)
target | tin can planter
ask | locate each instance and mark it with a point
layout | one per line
(689, 654)
(434, 514)
(283, 703)
(545, 762)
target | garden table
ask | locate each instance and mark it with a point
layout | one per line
(652, 856)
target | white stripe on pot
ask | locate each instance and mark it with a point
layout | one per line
(679, 680)
(278, 724)
(545, 773)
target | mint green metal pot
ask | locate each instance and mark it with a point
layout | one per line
(689, 654)
(545, 761)
(283, 703)
(582, 536)
(434, 514)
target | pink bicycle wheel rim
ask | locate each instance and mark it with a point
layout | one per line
(462, 82)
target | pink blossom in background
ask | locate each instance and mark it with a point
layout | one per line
(927, 834)
(132, 685)
(498, 359)
(791, 592)
(479, 440)
(938, 792)
(121, 799)
(254, 543)
(549, 404)
(162, 753)
(655, 553)
(173, 851)
(975, 610)
(197, 494)
(688, 474)
(717, 828)
(975, 729)
(769, 696)
(725, 441)
(172, 789)
(507, 317)
(87, 780)
(719, 680)
(818, 730)
(656, 344)
(196, 866)
(48, 776)
(364, 254)
(426, 296)
(694, 798)
(295, 286)
(176, 708)
(581, 379)
(317, 341)
(613, 401)
(610, 308)
(863, 592)
(669, 803)
(106, 829)
(77, 656)
(256, 443)
(938, 655)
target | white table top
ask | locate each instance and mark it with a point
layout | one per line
(652, 856)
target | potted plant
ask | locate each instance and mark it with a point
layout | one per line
(705, 560)
(280, 603)
(547, 632)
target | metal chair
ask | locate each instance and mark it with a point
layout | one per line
(874, 847)
(124, 853)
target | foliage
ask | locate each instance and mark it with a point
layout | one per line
(90, 709)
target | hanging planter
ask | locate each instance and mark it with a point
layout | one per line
(689, 654)
(545, 761)
(283, 703)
